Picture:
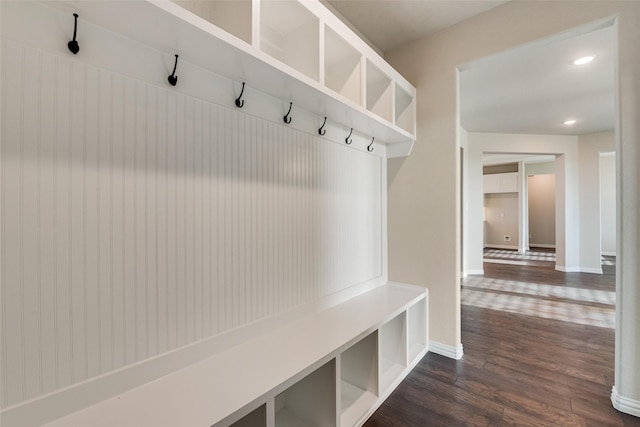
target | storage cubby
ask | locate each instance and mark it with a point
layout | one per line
(256, 418)
(393, 350)
(379, 92)
(291, 34)
(417, 316)
(309, 402)
(232, 16)
(359, 379)
(405, 116)
(342, 67)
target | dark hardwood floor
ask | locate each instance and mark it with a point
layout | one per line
(516, 370)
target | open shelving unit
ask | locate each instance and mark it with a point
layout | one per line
(234, 17)
(405, 110)
(379, 92)
(358, 379)
(294, 51)
(418, 327)
(289, 32)
(333, 380)
(255, 418)
(393, 353)
(342, 67)
(309, 402)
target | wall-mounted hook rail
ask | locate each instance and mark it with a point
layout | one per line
(370, 146)
(321, 131)
(173, 79)
(73, 44)
(239, 100)
(347, 140)
(286, 117)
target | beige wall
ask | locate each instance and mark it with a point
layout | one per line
(501, 220)
(608, 203)
(424, 241)
(542, 210)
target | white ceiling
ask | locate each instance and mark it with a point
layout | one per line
(533, 89)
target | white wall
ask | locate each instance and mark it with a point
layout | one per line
(501, 220)
(424, 243)
(141, 219)
(608, 203)
(590, 222)
(542, 210)
(473, 192)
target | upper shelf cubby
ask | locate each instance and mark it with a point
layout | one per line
(379, 92)
(290, 33)
(342, 67)
(292, 50)
(234, 17)
(405, 113)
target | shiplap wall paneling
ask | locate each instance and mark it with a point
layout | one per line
(137, 220)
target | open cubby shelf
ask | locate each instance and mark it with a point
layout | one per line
(309, 402)
(359, 379)
(342, 67)
(393, 350)
(255, 418)
(405, 113)
(294, 50)
(418, 327)
(234, 17)
(379, 92)
(289, 32)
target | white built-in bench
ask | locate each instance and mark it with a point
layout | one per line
(333, 367)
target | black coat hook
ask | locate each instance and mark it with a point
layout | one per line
(73, 44)
(286, 117)
(370, 146)
(347, 140)
(173, 79)
(239, 100)
(321, 131)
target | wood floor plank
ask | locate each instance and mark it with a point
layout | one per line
(517, 369)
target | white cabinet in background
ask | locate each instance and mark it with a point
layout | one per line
(491, 183)
(500, 183)
(509, 182)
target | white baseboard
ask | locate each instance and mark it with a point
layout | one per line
(512, 247)
(541, 245)
(446, 350)
(579, 269)
(568, 269)
(624, 404)
(609, 253)
(474, 273)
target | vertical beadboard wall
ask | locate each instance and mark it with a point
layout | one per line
(136, 220)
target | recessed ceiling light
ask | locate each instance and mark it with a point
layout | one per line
(584, 60)
(569, 122)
